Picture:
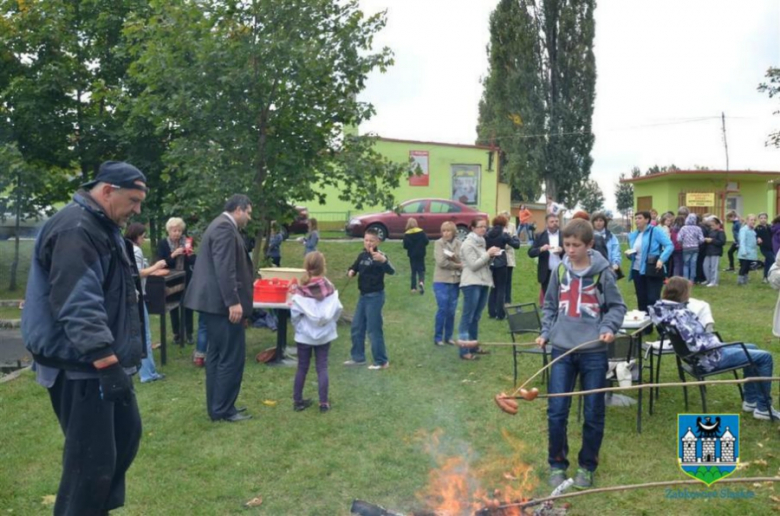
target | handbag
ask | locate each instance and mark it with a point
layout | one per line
(652, 259)
(619, 274)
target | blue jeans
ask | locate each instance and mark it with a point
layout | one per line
(148, 371)
(203, 340)
(592, 370)
(689, 263)
(368, 317)
(734, 356)
(447, 300)
(475, 298)
(528, 233)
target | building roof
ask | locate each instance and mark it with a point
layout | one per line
(691, 174)
(689, 435)
(459, 145)
(727, 436)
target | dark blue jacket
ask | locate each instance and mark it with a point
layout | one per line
(83, 294)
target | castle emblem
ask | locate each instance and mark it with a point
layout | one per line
(708, 445)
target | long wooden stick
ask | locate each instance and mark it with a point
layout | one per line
(520, 344)
(543, 369)
(631, 487)
(652, 385)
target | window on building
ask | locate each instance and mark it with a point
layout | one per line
(644, 203)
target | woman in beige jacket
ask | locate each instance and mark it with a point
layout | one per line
(446, 280)
(475, 282)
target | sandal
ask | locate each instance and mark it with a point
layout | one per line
(469, 356)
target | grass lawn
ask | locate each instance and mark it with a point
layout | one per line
(393, 435)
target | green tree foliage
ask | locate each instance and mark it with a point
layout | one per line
(772, 88)
(655, 169)
(254, 96)
(591, 197)
(538, 97)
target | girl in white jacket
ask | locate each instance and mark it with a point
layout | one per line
(315, 311)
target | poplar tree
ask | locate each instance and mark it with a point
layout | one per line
(538, 96)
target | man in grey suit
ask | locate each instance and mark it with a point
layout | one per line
(221, 291)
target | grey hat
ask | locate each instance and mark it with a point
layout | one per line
(120, 175)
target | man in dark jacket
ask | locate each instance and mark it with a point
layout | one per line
(548, 248)
(83, 326)
(499, 266)
(221, 290)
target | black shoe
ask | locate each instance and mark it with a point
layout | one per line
(325, 408)
(301, 405)
(190, 341)
(235, 418)
(240, 409)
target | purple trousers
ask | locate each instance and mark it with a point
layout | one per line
(305, 352)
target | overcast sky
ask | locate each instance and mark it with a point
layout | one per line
(666, 69)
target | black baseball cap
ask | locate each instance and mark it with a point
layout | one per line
(120, 175)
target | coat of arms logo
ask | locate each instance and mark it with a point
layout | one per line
(708, 445)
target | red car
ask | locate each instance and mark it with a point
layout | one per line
(430, 215)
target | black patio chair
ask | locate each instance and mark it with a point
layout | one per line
(687, 363)
(524, 319)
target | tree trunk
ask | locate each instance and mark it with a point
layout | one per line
(15, 264)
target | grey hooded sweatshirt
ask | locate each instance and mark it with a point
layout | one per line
(576, 310)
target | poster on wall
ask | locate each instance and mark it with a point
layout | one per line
(703, 200)
(465, 183)
(419, 159)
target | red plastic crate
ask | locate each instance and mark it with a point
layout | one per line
(272, 290)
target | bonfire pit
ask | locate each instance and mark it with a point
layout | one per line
(494, 508)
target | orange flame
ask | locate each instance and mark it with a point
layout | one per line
(456, 486)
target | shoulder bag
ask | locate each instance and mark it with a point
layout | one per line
(652, 259)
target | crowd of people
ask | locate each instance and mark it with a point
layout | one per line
(86, 324)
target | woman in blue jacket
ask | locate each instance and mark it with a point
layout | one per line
(642, 243)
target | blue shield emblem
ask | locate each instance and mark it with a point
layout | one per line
(708, 445)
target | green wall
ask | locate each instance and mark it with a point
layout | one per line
(757, 194)
(440, 157)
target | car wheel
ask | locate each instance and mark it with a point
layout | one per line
(380, 230)
(463, 232)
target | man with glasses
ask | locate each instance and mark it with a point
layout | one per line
(83, 324)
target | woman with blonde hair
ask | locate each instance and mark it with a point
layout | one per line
(446, 283)
(178, 257)
(415, 242)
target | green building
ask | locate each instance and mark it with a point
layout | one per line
(708, 191)
(466, 173)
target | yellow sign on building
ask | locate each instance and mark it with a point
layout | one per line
(700, 200)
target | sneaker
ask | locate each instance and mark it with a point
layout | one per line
(765, 280)
(354, 363)
(451, 343)
(376, 367)
(324, 407)
(439, 343)
(583, 479)
(422, 288)
(764, 414)
(748, 407)
(730, 269)
(301, 405)
(556, 478)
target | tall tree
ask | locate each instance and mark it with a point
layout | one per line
(772, 88)
(591, 197)
(255, 96)
(539, 93)
(624, 194)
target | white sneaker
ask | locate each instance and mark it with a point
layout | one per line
(711, 285)
(764, 414)
(377, 367)
(748, 407)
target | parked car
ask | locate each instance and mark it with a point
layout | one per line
(430, 215)
(299, 225)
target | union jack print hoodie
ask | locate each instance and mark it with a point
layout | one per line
(582, 305)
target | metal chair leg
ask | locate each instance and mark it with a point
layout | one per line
(703, 392)
(514, 360)
(681, 374)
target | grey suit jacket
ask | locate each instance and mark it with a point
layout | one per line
(223, 271)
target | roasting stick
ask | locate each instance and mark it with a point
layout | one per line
(649, 385)
(543, 369)
(631, 487)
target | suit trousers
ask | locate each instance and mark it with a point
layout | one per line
(101, 441)
(225, 360)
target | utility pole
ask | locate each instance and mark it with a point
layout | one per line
(725, 142)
